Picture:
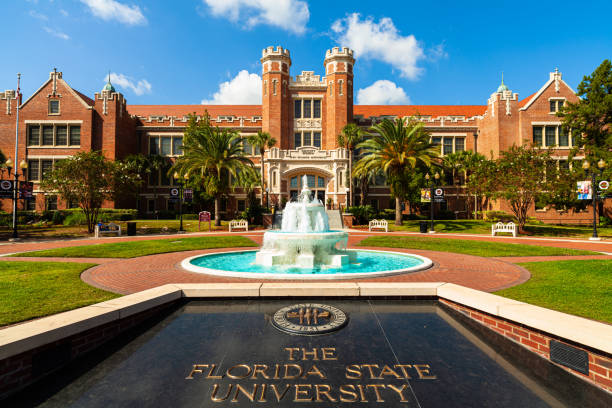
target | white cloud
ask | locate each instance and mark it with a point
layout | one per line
(290, 15)
(243, 89)
(114, 10)
(38, 15)
(138, 87)
(64, 12)
(57, 33)
(382, 92)
(381, 41)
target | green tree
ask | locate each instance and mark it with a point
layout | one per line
(521, 176)
(263, 141)
(476, 171)
(394, 149)
(350, 137)
(590, 119)
(365, 177)
(156, 164)
(213, 153)
(89, 179)
(138, 165)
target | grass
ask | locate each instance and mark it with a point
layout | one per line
(478, 248)
(484, 227)
(36, 289)
(580, 288)
(141, 248)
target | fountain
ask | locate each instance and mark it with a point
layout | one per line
(305, 239)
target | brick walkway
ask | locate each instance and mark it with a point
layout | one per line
(132, 275)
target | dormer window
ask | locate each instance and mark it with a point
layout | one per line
(54, 107)
(556, 105)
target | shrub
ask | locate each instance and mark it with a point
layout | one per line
(189, 217)
(362, 213)
(496, 216)
(75, 218)
(386, 214)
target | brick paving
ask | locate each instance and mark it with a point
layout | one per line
(132, 275)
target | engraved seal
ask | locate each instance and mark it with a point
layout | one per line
(309, 319)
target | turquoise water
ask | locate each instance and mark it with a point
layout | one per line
(366, 262)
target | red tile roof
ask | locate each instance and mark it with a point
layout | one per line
(527, 99)
(87, 99)
(423, 110)
(184, 110)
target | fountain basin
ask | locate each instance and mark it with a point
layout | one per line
(369, 264)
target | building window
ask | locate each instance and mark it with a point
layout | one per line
(320, 182)
(33, 170)
(274, 82)
(47, 136)
(166, 145)
(265, 88)
(307, 108)
(436, 141)
(340, 87)
(297, 140)
(447, 148)
(340, 179)
(54, 135)
(316, 139)
(241, 205)
(150, 206)
(61, 135)
(556, 105)
(537, 136)
(33, 135)
(51, 203)
(307, 139)
(297, 108)
(274, 178)
(563, 138)
(551, 134)
(75, 135)
(46, 166)
(54, 107)
(459, 144)
(331, 89)
(311, 180)
(294, 182)
(316, 112)
(31, 204)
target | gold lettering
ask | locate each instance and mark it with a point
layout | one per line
(197, 368)
(423, 372)
(214, 397)
(354, 370)
(240, 389)
(400, 391)
(403, 367)
(262, 397)
(344, 390)
(312, 353)
(329, 353)
(323, 389)
(276, 372)
(389, 371)
(234, 376)
(370, 367)
(261, 369)
(375, 387)
(299, 392)
(279, 396)
(314, 371)
(292, 377)
(291, 350)
(213, 377)
(361, 393)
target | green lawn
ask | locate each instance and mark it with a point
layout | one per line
(36, 289)
(479, 248)
(133, 249)
(582, 288)
(484, 227)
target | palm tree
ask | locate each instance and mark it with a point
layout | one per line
(213, 153)
(155, 164)
(350, 137)
(395, 148)
(365, 177)
(263, 141)
(138, 164)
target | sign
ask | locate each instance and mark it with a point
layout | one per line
(174, 195)
(25, 190)
(439, 195)
(6, 189)
(425, 195)
(604, 184)
(584, 190)
(204, 216)
(188, 195)
(309, 319)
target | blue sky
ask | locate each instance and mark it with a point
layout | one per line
(189, 51)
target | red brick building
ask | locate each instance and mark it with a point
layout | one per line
(303, 113)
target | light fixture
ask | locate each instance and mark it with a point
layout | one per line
(437, 175)
(586, 165)
(427, 177)
(601, 164)
(9, 164)
(23, 165)
(176, 175)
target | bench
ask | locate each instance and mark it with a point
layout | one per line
(501, 227)
(111, 228)
(234, 224)
(379, 224)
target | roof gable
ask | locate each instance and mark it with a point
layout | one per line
(56, 78)
(555, 80)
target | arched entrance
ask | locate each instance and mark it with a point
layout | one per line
(316, 183)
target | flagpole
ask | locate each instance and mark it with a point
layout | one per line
(15, 236)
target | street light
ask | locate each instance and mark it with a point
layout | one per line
(23, 165)
(180, 184)
(432, 184)
(601, 165)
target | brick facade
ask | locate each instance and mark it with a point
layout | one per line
(303, 113)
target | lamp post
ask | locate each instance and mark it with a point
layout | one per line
(601, 165)
(180, 183)
(432, 184)
(23, 165)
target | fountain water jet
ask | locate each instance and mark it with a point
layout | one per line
(305, 240)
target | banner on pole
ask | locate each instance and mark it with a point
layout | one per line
(6, 188)
(585, 191)
(425, 195)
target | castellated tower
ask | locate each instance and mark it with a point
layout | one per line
(500, 123)
(276, 100)
(339, 98)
